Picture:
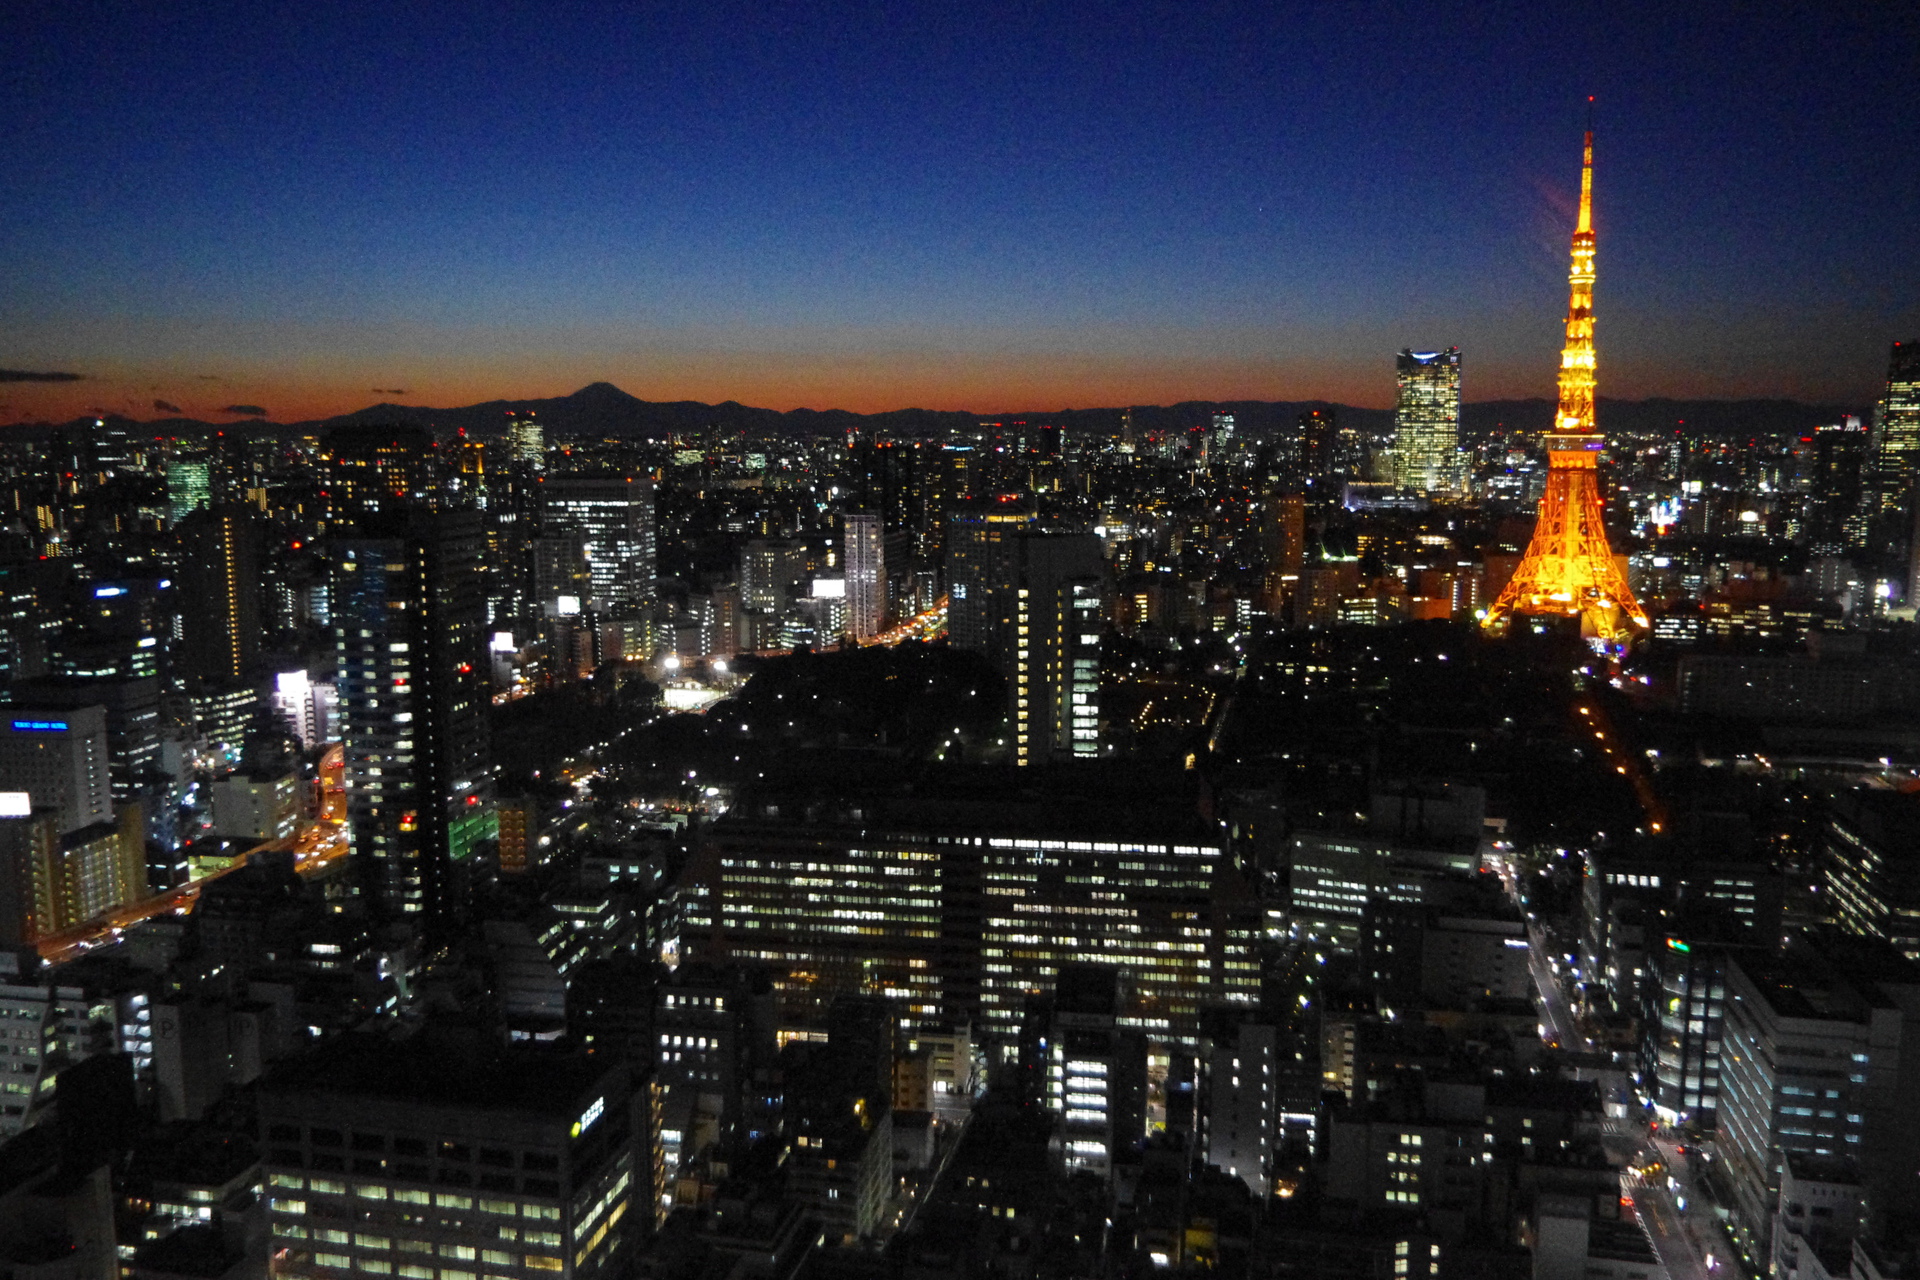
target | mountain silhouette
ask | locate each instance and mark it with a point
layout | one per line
(600, 408)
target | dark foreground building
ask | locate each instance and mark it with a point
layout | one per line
(445, 1155)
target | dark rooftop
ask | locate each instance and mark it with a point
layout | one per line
(449, 1067)
(1113, 800)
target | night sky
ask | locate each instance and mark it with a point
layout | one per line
(311, 208)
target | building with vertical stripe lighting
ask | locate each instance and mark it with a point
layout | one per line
(409, 619)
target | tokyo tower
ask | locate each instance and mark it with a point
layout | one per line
(1569, 570)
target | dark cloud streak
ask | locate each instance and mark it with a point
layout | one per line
(246, 410)
(163, 406)
(23, 375)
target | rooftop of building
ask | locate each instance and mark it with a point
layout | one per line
(1619, 1241)
(1808, 1166)
(447, 1066)
(1103, 800)
(1890, 820)
(1833, 976)
(188, 1155)
(38, 1154)
(205, 1251)
(704, 975)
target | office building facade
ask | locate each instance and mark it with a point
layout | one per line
(967, 910)
(864, 551)
(189, 487)
(1426, 421)
(450, 1161)
(1811, 1063)
(1871, 851)
(1033, 601)
(409, 618)
(1683, 1022)
(58, 758)
(1894, 447)
(612, 514)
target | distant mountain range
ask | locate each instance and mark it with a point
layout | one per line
(604, 409)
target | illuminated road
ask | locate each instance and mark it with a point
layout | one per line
(318, 846)
(1555, 1014)
(1550, 999)
(1593, 720)
(1673, 1237)
(922, 626)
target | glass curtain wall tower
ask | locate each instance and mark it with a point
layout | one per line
(1426, 435)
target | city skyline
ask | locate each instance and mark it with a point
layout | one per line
(469, 811)
(911, 214)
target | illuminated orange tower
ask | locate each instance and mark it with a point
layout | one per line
(1569, 570)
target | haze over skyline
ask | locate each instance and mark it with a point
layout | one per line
(1006, 208)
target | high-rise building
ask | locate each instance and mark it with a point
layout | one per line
(1426, 422)
(562, 580)
(219, 594)
(526, 439)
(1872, 873)
(1317, 441)
(613, 514)
(962, 906)
(1834, 499)
(1283, 545)
(881, 480)
(1894, 449)
(1032, 601)
(1683, 1021)
(468, 481)
(58, 757)
(769, 568)
(409, 617)
(1812, 1062)
(1240, 1111)
(29, 849)
(864, 552)
(978, 548)
(64, 859)
(1221, 442)
(712, 1026)
(1059, 608)
(371, 468)
(1093, 1060)
(189, 487)
(309, 710)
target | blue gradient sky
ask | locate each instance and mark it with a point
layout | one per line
(982, 206)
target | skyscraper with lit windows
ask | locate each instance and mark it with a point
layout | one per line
(613, 513)
(409, 615)
(369, 468)
(1894, 447)
(1032, 600)
(1426, 422)
(968, 903)
(865, 550)
(220, 556)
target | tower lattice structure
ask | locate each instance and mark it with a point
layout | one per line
(1569, 569)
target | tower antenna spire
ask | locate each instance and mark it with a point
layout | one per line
(1586, 178)
(1569, 569)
